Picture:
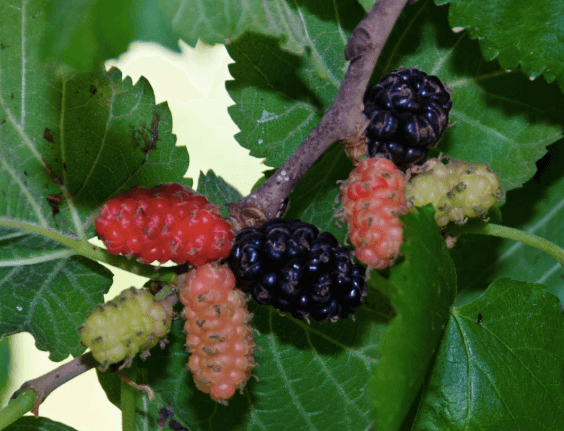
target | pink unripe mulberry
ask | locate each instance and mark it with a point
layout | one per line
(218, 333)
(373, 198)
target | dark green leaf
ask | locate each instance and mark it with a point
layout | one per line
(32, 423)
(217, 190)
(497, 117)
(315, 198)
(367, 4)
(149, 413)
(50, 298)
(78, 139)
(536, 208)
(500, 364)
(517, 33)
(4, 367)
(309, 376)
(83, 34)
(425, 290)
(86, 33)
(67, 144)
(280, 96)
(222, 21)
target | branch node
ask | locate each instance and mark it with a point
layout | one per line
(358, 44)
(245, 214)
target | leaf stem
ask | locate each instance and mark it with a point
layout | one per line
(90, 251)
(84, 248)
(516, 235)
(17, 407)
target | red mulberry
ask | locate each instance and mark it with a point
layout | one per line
(167, 222)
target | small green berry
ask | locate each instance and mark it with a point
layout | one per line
(130, 323)
(457, 190)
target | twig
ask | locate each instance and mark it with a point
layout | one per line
(32, 393)
(344, 121)
(47, 383)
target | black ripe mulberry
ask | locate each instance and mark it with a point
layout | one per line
(408, 112)
(291, 265)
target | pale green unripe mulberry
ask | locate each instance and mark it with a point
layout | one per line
(477, 188)
(457, 190)
(425, 189)
(130, 323)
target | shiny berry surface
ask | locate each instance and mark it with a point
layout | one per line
(408, 112)
(292, 266)
(167, 222)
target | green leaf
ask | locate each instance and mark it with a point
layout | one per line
(536, 208)
(50, 300)
(317, 372)
(280, 96)
(516, 32)
(497, 117)
(222, 21)
(84, 34)
(32, 423)
(315, 198)
(80, 138)
(425, 290)
(217, 190)
(67, 144)
(499, 365)
(4, 367)
(149, 413)
(367, 4)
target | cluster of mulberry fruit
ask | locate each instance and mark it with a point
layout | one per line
(292, 266)
(457, 190)
(373, 198)
(130, 323)
(218, 333)
(408, 112)
(167, 222)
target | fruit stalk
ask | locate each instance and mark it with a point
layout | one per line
(516, 235)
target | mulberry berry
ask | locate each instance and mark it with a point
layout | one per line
(290, 265)
(373, 198)
(165, 223)
(130, 323)
(408, 112)
(457, 190)
(218, 333)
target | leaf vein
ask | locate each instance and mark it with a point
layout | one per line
(62, 254)
(26, 193)
(288, 385)
(328, 373)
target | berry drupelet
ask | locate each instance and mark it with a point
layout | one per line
(408, 112)
(167, 222)
(290, 265)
